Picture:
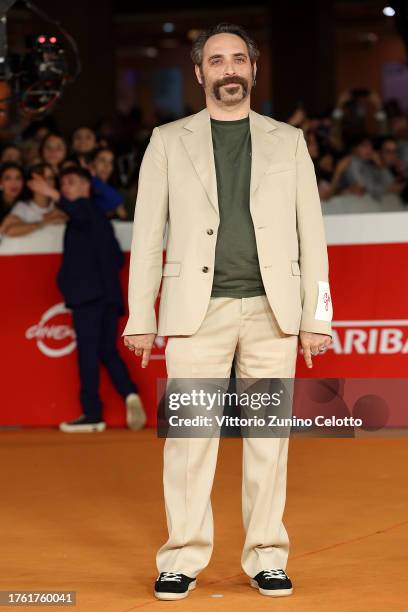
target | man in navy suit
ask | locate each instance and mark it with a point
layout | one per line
(89, 281)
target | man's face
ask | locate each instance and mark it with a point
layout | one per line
(226, 73)
(73, 187)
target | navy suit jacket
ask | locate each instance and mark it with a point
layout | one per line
(92, 256)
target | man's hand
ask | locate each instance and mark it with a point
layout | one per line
(313, 344)
(142, 345)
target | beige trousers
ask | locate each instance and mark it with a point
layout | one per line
(246, 328)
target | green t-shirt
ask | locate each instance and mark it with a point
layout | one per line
(236, 272)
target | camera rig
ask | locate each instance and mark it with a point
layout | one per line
(35, 79)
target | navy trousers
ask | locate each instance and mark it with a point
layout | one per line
(95, 325)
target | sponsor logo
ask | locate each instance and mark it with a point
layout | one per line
(54, 334)
(372, 337)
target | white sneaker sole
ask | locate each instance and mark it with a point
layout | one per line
(86, 428)
(271, 592)
(173, 596)
(135, 415)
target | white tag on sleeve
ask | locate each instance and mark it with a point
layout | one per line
(324, 308)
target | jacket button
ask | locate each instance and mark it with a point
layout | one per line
(210, 231)
(204, 268)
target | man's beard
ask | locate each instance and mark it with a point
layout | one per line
(236, 81)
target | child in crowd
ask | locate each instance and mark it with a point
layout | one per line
(89, 282)
(53, 150)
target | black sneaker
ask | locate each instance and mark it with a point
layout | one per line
(170, 585)
(83, 425)
(272, 582)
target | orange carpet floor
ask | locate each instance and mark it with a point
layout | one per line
(85, 513)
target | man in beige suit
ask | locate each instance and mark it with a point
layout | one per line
(245, 276)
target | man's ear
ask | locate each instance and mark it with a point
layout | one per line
(198, 73)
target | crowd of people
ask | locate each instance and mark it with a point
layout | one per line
(358, 148)
(42, 150)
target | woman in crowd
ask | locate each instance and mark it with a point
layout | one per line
(82, 143)
(11, 153)
(53, 150)
(37, 211)
(101, 165)
(11, 186)
(102, 160)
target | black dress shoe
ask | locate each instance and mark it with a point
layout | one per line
(172, 585)
(272, 582)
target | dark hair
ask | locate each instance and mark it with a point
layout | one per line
(10, 164)
(73, 157)
(78, 171)
(48, 122)
(39, 168)
(83, 127)
(69, 160)
(114, 178)
(9, 145)
(4, 210)
(355, 140)
(92, 155)
(380, 141)
(326, 150)
(222, 28)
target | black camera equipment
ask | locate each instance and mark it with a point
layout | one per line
(35, 79)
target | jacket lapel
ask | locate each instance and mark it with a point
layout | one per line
(264, 147)
(199, 146)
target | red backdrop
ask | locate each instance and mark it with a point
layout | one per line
(369, 285)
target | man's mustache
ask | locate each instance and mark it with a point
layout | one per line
(231, 81)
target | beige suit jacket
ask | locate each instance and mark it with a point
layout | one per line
(177, 185)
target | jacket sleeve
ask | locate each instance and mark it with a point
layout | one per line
(317, 309)
(146, 256)
(77, 210)
(106, 197)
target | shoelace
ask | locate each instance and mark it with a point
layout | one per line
(170, 576)
(275, 573)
